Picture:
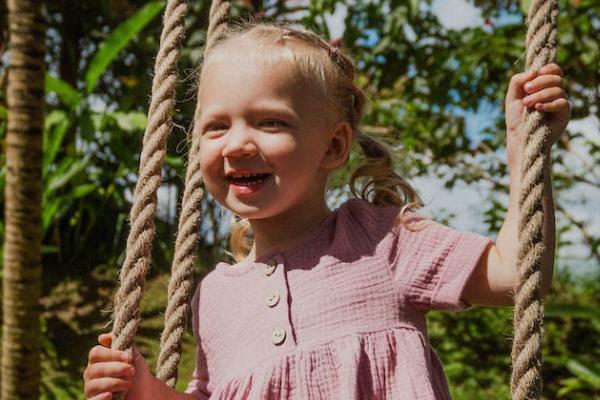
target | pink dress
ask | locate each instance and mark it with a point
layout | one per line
(339, 316)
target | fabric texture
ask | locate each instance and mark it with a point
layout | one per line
(340, 315)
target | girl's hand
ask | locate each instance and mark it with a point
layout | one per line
(536, 90)
(110, 371)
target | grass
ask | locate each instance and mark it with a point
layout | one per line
(77, 312)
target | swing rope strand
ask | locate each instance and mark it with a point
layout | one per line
(526, 379)
(181, 282)
(126, 314)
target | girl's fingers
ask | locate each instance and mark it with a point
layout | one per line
(542, 82)
(102, 354)
(105, 339)
(551, 68)
(515, 86)
(102, 385)
(553, 106)
(110, 369)
(544, 96)
(102, 396)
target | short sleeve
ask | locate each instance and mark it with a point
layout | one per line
(199, 386)
(433, 262)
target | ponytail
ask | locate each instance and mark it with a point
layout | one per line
(382, 186)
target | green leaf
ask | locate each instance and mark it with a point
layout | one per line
(53, 137)
(65, 92)
(83, 190)
(585, 373)
(47, 249)
(572, 310)
(524, 4)
(120, 37)
(174, 161)
(64, 174)
(414, 7)
(3, 112)
(131, 121)
(48, 211)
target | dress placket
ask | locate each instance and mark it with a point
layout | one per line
(276, 301)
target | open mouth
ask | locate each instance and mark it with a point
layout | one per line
(248, 180)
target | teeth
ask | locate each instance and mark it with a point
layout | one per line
(246, 175)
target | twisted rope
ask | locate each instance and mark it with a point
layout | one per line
(126, 318)
(181, 282)
(526, 380)
(217, 22)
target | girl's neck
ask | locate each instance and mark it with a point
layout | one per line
(284, 230)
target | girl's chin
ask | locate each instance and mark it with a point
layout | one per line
(244, 210)
(251, 210)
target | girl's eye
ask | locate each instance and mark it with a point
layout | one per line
(215, 127)
(273, 123)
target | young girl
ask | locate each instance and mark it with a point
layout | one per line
(326, 304)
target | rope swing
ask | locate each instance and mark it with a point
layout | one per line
(126, 316)
(526, 381)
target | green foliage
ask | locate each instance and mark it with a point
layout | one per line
(68, 95)
(475, 345)
(120, 37)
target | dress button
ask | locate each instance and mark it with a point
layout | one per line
(273, 299)
(278, 336)
(270, 267)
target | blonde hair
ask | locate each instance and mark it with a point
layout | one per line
(332, 74)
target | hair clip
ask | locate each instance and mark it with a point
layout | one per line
(333, 53)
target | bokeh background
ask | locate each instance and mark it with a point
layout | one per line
(436, 73)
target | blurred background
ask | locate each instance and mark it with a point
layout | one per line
(436, 72)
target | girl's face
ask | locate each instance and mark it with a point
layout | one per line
(263, 136)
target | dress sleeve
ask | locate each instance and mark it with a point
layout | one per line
(199, 386)
(433, 262)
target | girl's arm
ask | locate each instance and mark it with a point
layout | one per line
(494, 279)
(168, 393)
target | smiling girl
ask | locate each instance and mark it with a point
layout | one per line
(325, 304)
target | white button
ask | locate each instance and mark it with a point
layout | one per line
(273, 299)
(278, 336)
(270, 267)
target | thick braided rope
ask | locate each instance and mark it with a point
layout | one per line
(126, 318)
(526, 380)
(181, 282)
(217, 25)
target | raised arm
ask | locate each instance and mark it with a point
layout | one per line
(495, 276)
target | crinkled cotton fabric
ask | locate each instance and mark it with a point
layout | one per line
(340, 315)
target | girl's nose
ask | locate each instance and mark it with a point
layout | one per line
(239, 143)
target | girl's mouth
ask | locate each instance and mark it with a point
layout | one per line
(248, 184)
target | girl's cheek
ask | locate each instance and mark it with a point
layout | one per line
(211, 165)
(210, 153)
(281, 147)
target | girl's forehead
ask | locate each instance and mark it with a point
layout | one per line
(240, 73)
(286, 60)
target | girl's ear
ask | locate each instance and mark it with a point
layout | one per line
(338, 146)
